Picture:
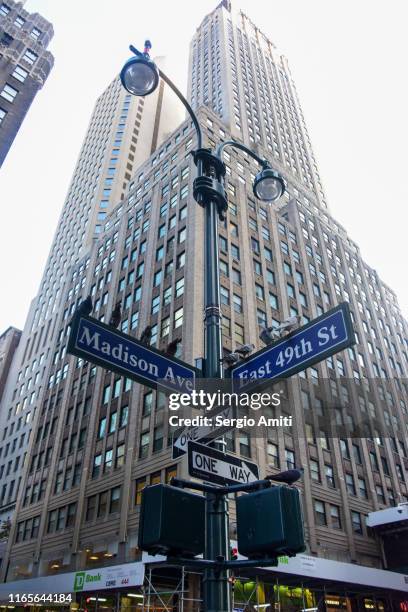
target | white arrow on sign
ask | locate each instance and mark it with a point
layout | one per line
(194, 434)
(221, 468)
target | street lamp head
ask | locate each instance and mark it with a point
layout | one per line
(140, 75)
(268, 186)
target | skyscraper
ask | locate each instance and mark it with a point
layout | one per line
(25, 65)
(122, 132)
(99, 439)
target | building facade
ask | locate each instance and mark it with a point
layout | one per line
(8, 344)
(99, 439)
(25, 65)
(122, 132)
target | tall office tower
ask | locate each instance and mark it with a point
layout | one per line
(122, 132)
(99, 439)
(237, 72)
(25, 65)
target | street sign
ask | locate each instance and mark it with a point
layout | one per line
(202, 433)
(215, 466)
(116, 351)
(322, 337)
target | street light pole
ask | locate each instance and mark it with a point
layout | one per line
(140, 76)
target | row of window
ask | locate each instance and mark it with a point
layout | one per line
(19, 21)
(329, 515)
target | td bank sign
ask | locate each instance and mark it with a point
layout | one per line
(83, 579)
(115, 576)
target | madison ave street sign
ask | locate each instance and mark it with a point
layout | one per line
(202, 433)
(113, 350)
(215, 466)
(322, 337)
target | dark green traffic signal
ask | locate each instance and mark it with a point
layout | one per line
(270, 523)
(171, 521)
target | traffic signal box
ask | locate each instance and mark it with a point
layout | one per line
(270, 523)
(171, 521)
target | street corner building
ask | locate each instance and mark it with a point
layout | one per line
(80, 443)
(25, 65)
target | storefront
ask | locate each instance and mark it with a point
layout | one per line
(300, 584)
(306, 583)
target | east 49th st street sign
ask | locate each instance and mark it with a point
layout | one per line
(322, 337)
(113, 350)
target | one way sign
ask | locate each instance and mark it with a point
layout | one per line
(217, 467)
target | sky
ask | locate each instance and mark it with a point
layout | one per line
(348, 61)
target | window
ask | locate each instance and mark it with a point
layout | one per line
(147, 403)
(178, 318)
(124, 415)
(320, 513)
(181, 258)
(2, 115)
(225, 295)
(373, 461)
(235, 252)
(335, 517)
(4, 9)
(259, 292)
(106, 394)
(35, 33)
(114, 500)
(351, 488)
(113, 422)
(96, 468)
(71, 514)
(244, 445)
(314, 470)
(290, 459)
(158, 436)
(102, 504)
(328, 469)
(273, 301)
(165, 327)
(237, 301)
(362, 487)
(261, 317)
(380, 494)
(20, 74)
(224, 267)
(155, 304)
(140, 485)
(144, 445)
(120, 456)
(180, 287)
(30, 57)
(102, 427)
(344, 449)
(8, 93)
(52, 521)
(356, 522)
(61, 519)
(182, 235)
(257, 267)
(236, 277)
(273, 454)
(238, 333)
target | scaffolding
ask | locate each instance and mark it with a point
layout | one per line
(179, 599)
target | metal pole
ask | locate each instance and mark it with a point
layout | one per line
(212, 307)
(217, 596)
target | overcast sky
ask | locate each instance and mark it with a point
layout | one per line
(347, 57)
